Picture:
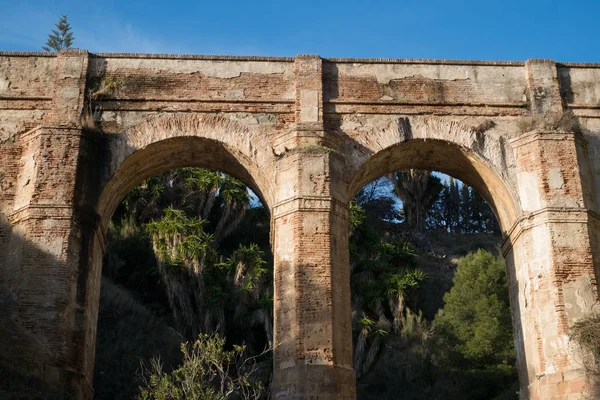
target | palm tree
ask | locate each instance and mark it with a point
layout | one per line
(250, 285)
(398, 286)
(200, 284)
(211, 196)
(418, 190)
(235, 204)
(368, 344)
(183, 252)
(382, 278)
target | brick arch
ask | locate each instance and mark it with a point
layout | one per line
(184, 140)
(499, 118)
(159, 145)
(441, 145)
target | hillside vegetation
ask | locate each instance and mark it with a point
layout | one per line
(189, 255)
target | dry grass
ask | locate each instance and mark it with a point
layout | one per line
(587, 334)
(107, 86)
(88, 121)
(484, 126)
(567, 122)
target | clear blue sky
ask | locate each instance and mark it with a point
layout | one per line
(487, 30)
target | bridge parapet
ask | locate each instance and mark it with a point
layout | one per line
(77, 130)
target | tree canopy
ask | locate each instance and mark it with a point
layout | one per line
(475, 322)
(194, 248)
(61, 38)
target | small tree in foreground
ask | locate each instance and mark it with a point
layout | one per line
(476, 319)
(61, 38)
(208, 372)
(473, 339)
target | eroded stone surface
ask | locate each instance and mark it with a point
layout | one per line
(77, 131)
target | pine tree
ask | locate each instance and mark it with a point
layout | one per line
(482, 217)
(475, 322)
(450, 206)
(61, 38)
(468, 225)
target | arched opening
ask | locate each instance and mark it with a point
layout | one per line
(223, 187)
(403, 264)
(447, 158)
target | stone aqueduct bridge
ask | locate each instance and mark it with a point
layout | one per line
(306, 134)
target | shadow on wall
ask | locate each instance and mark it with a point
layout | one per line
(24, 356)
(29, 308)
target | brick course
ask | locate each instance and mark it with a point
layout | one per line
(78, 130)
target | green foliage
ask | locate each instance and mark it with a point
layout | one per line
(129, 262)
(405, 365)
(384, 273)
(368, 343)
(179, 239)
(61, 38)
(357, 215)
(383, 278)
(202, 286)
(216, 198)
(208, 372)
(180, 243)
(428, 202)
(476, 321)
(378, 202)
(459, 209)
(418, 190)
(200, 230)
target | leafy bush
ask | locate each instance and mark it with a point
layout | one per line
(208, 372)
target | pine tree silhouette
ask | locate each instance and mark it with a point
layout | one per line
(61, 38)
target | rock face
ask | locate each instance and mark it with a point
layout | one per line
(79, 130)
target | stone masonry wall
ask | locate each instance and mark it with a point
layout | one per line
(78, 130)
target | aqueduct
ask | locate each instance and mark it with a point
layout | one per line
(78, 130)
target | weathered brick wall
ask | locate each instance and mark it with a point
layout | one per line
(9, 170)
(26, 91)
(78, 130)
(258, 90)
(425, 83)
(581, 95)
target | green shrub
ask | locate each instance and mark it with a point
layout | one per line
(208, 372)
(475, 323)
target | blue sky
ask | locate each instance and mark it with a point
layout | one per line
(488, 30)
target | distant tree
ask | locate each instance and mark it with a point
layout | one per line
(418, 190)
(460, 209)
(61, 38)
(468, 223)
(482, 217)
(445, 213)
